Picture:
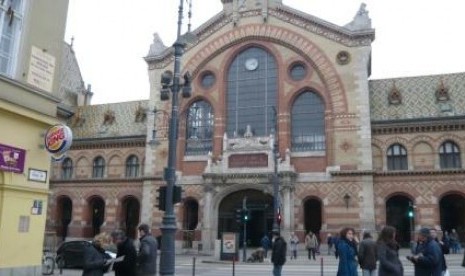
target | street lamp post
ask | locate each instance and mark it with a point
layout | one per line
(172, 83)
(275, 146)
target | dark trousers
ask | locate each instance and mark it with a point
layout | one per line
(311, 253)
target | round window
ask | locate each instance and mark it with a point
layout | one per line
(298, 71)
(208, 80)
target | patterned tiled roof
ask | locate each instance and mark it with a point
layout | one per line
(71, 83)
(110, 120)
(418, 97)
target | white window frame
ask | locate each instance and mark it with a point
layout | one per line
(18, 28)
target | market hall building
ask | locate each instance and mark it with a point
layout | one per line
(352, 151)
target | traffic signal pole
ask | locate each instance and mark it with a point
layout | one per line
(244, 218)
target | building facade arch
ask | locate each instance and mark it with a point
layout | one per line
(301, 45)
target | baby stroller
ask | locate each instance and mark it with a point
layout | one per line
(257, 256)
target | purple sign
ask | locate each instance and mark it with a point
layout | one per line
(12, 159)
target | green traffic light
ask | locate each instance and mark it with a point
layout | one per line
(410, 214)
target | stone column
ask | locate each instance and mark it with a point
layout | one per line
(287, 210)
(207, 239)
(147, 204)
(367, 214)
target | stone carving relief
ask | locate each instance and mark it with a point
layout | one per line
(394, 96)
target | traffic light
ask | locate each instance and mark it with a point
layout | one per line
(177, 194)
(245, 215)
(161, 199)
(410, 211)
(278, 217)
(239, 216)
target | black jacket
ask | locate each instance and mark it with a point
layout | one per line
(94, 261)
(127, 267)
(278, 253)
(147, 257)
(389, 263)
(367, 254)
(430, 262)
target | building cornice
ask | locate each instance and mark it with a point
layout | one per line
(109, 142)
(137, 180)
(441, 124)
(398, 173)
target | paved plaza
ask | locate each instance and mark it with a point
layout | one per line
(208, 266)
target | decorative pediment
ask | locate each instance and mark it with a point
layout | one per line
(356, 33)
(109, 117)
(140, 114)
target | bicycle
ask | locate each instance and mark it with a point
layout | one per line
(48, 263)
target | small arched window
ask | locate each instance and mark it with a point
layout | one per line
(67, 168)
(98, 169)
(308, 123)
(449, 156)
(132, 166)
(199, 129)
(397, 158)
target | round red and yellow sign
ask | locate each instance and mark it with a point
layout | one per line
(58, 139)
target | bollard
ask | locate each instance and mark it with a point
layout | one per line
(234, 266)
(321, 265)
(193, 266)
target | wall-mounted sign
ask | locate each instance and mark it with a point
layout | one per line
(41, 69)
(12, 159)
(37, 207)
(37, 175)
(256, 160)
(58, 140)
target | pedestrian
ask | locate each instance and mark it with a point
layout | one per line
(147, 256)
(367, 255)
(427, 260)
(329, 241)
(335, 242)
(125, 248)
(347, 252)
(388, 253)
(434, 236)
(311, 244)
(294, 241)
(96, 261)
(455, 242)
(446, 242)
(266, 245)
(278, 253)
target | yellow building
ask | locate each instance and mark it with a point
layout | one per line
(31, 50)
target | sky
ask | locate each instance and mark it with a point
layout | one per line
(111, 37)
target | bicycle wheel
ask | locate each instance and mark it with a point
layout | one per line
(48, 266)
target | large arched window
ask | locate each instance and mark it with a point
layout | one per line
(199, 129)
(449, 155)
(98, 169)
(397, 158)
(132, 166)
(252, 89)
(67, 168)
(308, 123)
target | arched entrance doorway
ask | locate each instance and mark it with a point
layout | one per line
(97, 209)
(130, 216)
(260, 222)
(312, 215)
(190, 221)
(452, 213)
(64, 216)
(397, 209)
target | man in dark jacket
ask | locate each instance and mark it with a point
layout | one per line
(147, 257)
(428, 256)
(125, 247)
(367, 255)
(278, 253)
